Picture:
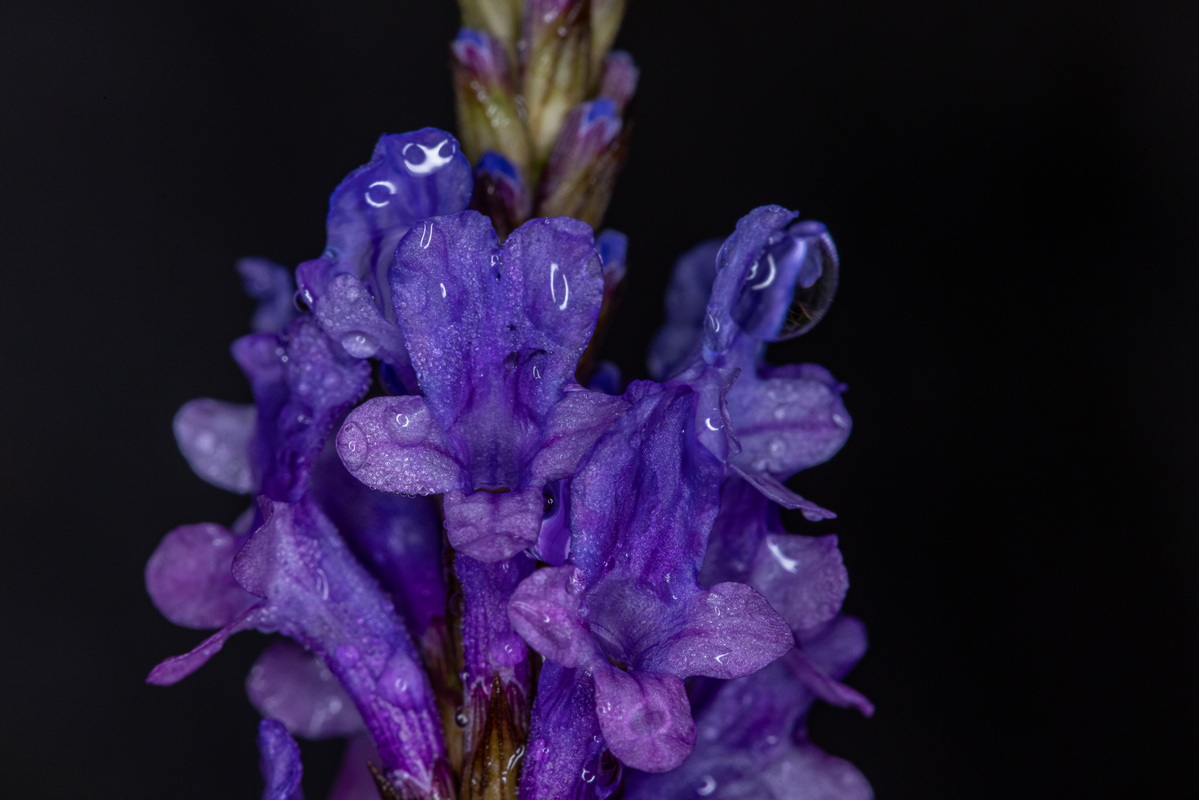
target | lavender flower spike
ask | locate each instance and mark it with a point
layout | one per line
(494, 333)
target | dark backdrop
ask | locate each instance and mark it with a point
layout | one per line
(1013, 187)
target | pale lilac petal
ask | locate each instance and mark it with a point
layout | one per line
(728, 631)
(803, 577)
(787, 424)
(393, 444)
(281, 768)
(752, 743)
(824, 686)
(546, 610)
(645, 717)
(493, 526)
(292, 685)
(189, 578)
(216, 439)
(809, 773)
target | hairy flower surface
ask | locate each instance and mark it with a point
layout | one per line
(498, 571)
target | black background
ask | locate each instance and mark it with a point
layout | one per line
(1013, 187)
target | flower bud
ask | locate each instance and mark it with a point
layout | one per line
(488, 113)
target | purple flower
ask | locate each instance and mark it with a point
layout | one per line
(494, 333)
(770, 280)
(410, 176)
(628, 611)
(495, 574)
(313, 590)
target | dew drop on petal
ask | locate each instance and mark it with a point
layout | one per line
(359, 345)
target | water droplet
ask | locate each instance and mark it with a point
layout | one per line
(460, 718)
(322, 584)
(422, 160)
(359, 345)
(379, 193)
(777, 448)
(707, 787)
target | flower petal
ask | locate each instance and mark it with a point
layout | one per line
(281, 768)
(571, 429)
(774, 489)
(176, 668)
(493, 526)
(393, 444)
(803, 577)
(728, 631)
(189, 579)
(302, 385)
(566, 756)
(291, 685)
(546, 610)
(477, 318)
(216, 440)
(645, 717)
(319, 595)
(787, 424)
(410, 176)
(677, 344)
(273, 287)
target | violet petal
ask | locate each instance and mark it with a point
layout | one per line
(216, 439)
(803, 577)
(728, 631)
(546, 610)
(645, 717)
(394, 444)
(294, 686)
(320, 596)
(281, 768)
(189, 578)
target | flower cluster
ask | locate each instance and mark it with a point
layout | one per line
(497, 570)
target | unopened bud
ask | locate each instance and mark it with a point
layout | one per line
(487, 109)
(556, 58)
(501, 193)
(618, 80)
(582, 169)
